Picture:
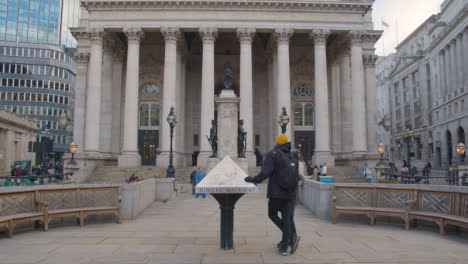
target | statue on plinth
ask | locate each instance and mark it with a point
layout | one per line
(241, 140)
(213, 139)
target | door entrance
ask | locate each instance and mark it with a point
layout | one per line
(147, 144)
(307, 141)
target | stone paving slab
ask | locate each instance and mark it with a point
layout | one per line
(186, 230)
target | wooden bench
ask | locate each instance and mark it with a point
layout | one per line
(45, 204)
(442, 207)
(370, 200)
(20, 207)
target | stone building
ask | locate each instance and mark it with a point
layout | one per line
(15, 134)
(428, 88)
(137, 59)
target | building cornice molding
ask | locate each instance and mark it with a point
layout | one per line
(360, 6)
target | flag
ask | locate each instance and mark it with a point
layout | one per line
(384, 23)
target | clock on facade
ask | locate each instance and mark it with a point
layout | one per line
(63, 121)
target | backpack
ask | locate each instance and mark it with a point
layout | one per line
(289, 170)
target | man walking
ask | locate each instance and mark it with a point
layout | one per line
(193, 180)
(199, 177)
(279, 164)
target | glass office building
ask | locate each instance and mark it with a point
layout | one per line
(37, 67)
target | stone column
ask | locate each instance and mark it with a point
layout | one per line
(82, 59)
(93, 99)
(171, 35)
(453, 65)
(208, 36)
(346, 100)
(335, 103)
(106, 98)
(447, 74)
(283, 90)
(246, 36)
(117, 78)
(359, 95)
(371, 104)
(130, 156)
(459, 66)
(322, 125)
(465, 57)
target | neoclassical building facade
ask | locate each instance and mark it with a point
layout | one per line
(137, 59)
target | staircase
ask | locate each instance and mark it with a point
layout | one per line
(114, 174)
(345, 174)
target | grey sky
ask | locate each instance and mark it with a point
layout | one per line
(402, 16)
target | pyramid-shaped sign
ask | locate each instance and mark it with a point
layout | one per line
(226, 177)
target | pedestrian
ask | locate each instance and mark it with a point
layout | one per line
(132, 179)
(18, 171)
(279, 166)
(310, 169)
(368, 174)
(324, 169)
(315, 174)
(58, 167)
(320, 169)
(426, 171)
(450, 176)
(302, 166)
(193, 180)
(199, 177)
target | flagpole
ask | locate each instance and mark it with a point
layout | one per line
(396, 30)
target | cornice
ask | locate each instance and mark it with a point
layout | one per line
(360, 6)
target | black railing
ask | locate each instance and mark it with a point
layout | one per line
(416, 178)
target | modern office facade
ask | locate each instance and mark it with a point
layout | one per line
(37, 66)
(316, 60)
(428, 89)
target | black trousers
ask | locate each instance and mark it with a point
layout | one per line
(286, 222)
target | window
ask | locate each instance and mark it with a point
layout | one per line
(397, 88)
(195, 140)
(149, 115)
(303, 90)
(304, 115)
(405, 83)
(257, 140)
(407, 96)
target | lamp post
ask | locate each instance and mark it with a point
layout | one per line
(408, 134)
(283, 120)
(381, 150)
(171, 119)
(72, 147)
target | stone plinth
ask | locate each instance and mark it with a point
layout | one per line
(227, 105)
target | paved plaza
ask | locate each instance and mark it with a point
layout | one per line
(186, 230)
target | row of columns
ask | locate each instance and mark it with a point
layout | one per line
(129, 154)
(452, 75)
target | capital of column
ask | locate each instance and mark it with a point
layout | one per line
(171, 34)
(370, 60)
(134, 34)
(208, 35)
(320, 36)
(80, 35)
(245, 35)
(96, 35)
(355, 37)
(283, 35)
(82, 58)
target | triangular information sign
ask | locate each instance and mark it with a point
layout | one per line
(226, 177)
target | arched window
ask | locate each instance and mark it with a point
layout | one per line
(304, 115)
(149, 115)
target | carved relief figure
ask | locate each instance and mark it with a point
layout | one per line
(213, 139)
(241, 140)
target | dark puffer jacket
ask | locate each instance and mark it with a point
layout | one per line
(273, 163)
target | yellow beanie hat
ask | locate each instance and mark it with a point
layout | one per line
(282, 139)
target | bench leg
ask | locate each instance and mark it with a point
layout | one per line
(334, 218)
(442, 227)
(407, 222)
(82, 218)
(11, 225)
(118, 218)
(372, 218)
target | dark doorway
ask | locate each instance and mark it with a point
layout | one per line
(449, 148)
(439, 157)
(147, 144)
(307, 141)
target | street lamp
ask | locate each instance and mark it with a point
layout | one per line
(381, 150)
(461, 148)
(408, 134)
(171, 119)
(283, 120)
(72, 147)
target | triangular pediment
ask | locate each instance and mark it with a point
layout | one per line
(402, 63)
